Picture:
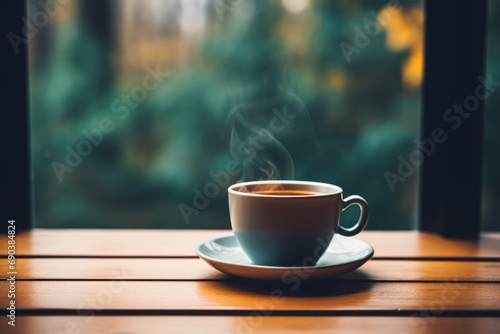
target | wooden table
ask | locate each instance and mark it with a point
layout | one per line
(149, 281)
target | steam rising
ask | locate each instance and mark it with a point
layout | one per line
(261, 155)
(258, 130)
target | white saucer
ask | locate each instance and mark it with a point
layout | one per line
(344, 255)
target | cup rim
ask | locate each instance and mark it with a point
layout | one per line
(336, 189)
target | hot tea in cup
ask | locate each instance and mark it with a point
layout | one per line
(287, 223)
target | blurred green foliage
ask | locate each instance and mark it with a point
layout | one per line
(353, 119)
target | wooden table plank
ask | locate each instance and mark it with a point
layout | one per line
(109, 243)
(182, 243)
(196, 269)
(243, 296)
(247, 325)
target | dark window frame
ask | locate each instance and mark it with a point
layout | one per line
(450, 178)
(16, 164)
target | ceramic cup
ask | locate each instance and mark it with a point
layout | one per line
(289, 223)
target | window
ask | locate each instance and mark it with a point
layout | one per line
(143, 114)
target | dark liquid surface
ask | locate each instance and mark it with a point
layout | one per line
(286, 192)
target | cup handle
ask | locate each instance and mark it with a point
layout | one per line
(363, 218)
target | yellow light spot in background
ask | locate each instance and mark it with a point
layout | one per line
(295, 6)
(413, 67)
(66, 12)
(336, 80)
(296, 32)
(405, 32)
